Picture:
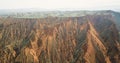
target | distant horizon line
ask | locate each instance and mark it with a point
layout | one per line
(60, 9)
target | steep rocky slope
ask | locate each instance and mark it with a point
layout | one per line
(87, 39)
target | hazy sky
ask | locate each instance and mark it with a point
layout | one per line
(61, 4)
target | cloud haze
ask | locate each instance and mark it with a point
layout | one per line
(63, 4)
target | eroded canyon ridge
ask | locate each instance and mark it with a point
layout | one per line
(74, 39)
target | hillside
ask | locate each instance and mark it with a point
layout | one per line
(92, 38)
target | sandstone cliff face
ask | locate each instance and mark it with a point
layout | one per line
(87, 39)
